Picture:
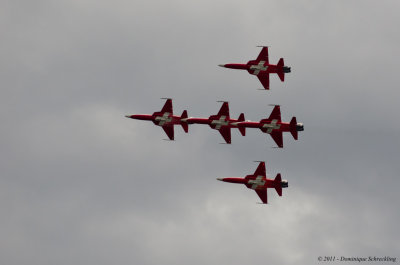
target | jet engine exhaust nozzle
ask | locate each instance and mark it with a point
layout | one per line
(284, 184)
(300, 127)
(286, 69)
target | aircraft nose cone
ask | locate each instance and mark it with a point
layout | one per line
(128, 116)
(221, 65)
(220, 179)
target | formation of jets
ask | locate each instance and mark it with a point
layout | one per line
(223, 123)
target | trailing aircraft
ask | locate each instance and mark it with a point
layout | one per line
(274, 126)
(262, 68)
(260, 183)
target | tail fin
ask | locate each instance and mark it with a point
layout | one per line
(277, 184)
(184, 124)
(242, 130)
(293, 127)
(281, 73)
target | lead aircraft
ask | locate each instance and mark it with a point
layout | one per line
(221, 122)
(165, 118)
(274, 126)
(262, 68)
(260, 183)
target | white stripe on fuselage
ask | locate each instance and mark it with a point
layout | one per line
(259, 182)
(221, 122)
(259, 67)
(272, 126)
(163, 119)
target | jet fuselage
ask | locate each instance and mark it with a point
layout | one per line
(158, 118)
(256, 182)
(268, 126)
(261, 68)
(215, 122)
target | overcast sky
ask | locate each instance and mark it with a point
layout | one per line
(81, 184)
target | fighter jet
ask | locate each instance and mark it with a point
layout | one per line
(260, 183)
(221, 122)
(262, 68)
(274, 126)
(165, 119)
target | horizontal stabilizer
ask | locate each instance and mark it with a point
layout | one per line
(293, 128)
(281, 73)
(281, 76)
(280, 64)
(185, 126)
(242, 130)
(277, 184)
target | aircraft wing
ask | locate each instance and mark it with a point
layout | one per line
(278, 138)
(224, 111)
(264, 79)
(260, 171)
(167, 106)
(225, 131)
(275, 114)
(263, 195)
(263, 56)
(169, 130)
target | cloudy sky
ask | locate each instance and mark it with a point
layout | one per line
(81, 184)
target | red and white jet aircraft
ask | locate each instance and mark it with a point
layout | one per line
(274, 126)
(262, 68)
(260, 183)
(165, 119)
(221, 122)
